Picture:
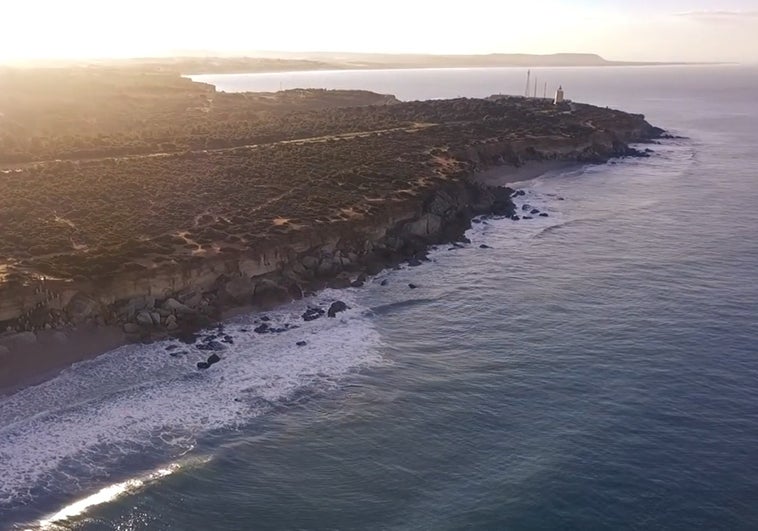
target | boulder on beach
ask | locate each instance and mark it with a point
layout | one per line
(171, 323)
(311, 314)
(80, 307)
(174, 305)
(412, 286)
(336, 307)
(301, 343)
(544, 214)
(211, 345)
(239, 289)
(202, 365)
(213, 358)
(515, 217)
(534, 211)
(485, 246)
(144, 319)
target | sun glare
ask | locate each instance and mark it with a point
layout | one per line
(84, 29)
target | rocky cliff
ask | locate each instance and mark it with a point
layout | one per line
(178, 296)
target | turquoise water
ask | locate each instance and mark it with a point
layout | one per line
(597, 369)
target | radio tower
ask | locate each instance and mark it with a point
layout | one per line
(528, 76)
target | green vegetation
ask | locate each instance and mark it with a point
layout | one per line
(187, 191)
(93, 113)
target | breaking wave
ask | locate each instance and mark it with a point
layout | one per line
(68, 435)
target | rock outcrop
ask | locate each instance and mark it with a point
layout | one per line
(174, 298)
(336, 307)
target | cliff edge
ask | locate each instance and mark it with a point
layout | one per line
(164, 244)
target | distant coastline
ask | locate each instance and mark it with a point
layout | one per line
(270, 62)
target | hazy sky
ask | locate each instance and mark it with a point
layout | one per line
(725, 30)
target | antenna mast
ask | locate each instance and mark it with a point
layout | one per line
(535, 86)
(528, 76)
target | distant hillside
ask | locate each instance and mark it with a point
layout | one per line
(450, 61)
(205, 63)
(280, 61)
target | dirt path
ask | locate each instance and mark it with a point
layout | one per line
(9, 168)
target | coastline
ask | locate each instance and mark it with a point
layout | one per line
(394, 68)
(53, 320)
(539, 343)
(518, 174)
(29, 362)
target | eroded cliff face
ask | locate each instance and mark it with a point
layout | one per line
(176, 297)
(171, 296)
(598, 146)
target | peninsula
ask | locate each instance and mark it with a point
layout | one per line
(140, 205)
(209, 62)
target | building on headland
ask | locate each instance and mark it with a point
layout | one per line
(558, 96)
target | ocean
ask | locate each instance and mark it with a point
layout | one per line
(596, 369)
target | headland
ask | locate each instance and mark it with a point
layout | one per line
(138, 206)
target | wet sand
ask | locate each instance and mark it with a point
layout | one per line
(510, 175)
(30, 362)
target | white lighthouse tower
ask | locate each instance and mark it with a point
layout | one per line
(558, 96)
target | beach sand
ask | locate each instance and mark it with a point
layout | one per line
(511, 176)
(31, 359)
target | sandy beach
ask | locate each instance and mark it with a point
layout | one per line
(512, 176)
(29, 359)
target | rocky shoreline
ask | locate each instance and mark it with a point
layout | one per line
(181, 300)
(338, 262)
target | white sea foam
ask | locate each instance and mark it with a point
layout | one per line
(539, 195)
(544, 192)
(69, 433)
(66, 434)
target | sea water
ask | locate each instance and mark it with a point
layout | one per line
(595, 369)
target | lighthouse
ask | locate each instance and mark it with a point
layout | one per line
(558, 96)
